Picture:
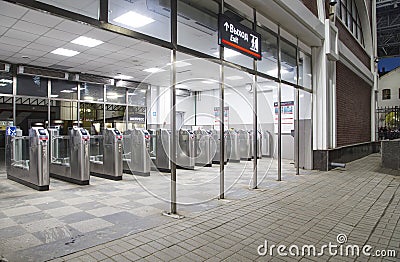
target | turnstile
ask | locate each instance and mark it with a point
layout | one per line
(266, 146)
(185, 150)
(153, 145)
(163, 144)
(216, 138)
(106, 155)
(34, 171)
(245, 145)
(69, 155)
(137, 152)
(233, 146)
(203, 148)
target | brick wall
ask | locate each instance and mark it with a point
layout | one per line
(312, 6)
(351, 43)
(353, 107)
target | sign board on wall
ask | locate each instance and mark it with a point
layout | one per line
(287, 109)
(217, 118)
(137, 118)
(236, 36)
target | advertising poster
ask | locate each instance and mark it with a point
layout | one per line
(287, 109)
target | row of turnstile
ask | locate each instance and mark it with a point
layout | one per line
(74, 158)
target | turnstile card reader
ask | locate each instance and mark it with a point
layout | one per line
(203, 153)
(70, 155)
(34, 171)
(108, 164)
(137, 152)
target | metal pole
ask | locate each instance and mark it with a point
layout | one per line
(297, 126)
(279, 108)
(255, 131)
(173, 137)
(222, 118)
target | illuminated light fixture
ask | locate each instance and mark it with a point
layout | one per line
(182, 86)
(143, 91)
(119, 76)
(3, 84)
(53, 95)
(180, 64)
(89, 98)
(209, 82)
(67, 91)
(154, 70)
(133, 19)
(234, 77)
(7, 81)
(228, 53)
(64, 52)
(87, 41)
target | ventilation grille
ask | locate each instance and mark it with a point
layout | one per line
(96, 79)
(26, 70)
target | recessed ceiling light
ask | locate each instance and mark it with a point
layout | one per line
(89, 98)
(209, 82)
(53, 95)
(64, 52)
(234, 77)
(7, 81)
(67, 91)
(228, 53)
(3, 84)
(133, 19)
(120, 76)
(153, 70)
(143, 91)
(180, 64)
(87, 41)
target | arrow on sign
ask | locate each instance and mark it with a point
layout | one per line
(226, 26)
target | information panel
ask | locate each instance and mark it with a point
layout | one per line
(236, 36)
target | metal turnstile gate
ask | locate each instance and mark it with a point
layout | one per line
(137, 152)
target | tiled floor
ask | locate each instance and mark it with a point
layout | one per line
(36, 226)
(360, 204)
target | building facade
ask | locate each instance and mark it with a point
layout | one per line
(151, 56)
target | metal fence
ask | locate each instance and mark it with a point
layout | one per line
(388, 122)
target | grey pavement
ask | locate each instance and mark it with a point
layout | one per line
(358, 205)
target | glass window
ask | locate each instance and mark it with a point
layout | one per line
(305, 73)
(114, 116)
(64, 89)
(347, 12)
(144, 16)
(385, 94)
(31, 86)
(269, 49)
(198, 25)
(64, 115)
(115, 95)
(137, 97)
(30, 112)
(92, 92)
(87, 7)
(288, 64)
(92, 117)
(6, 83)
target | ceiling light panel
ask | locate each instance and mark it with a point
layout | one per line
(87, 41)
(64, 52)
(153, 70)
(234, 77)
(133, 19)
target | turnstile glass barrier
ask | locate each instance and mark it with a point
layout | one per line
(163, 143)
(266, 148)
(69, 155)
(232, 140)
(27, 158)
(216, 138)
(245, 145)
(106, 154)
(136, 147)
(203, 148)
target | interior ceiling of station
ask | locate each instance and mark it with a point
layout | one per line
(28, 37)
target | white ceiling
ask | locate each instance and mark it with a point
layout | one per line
(28, 36)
